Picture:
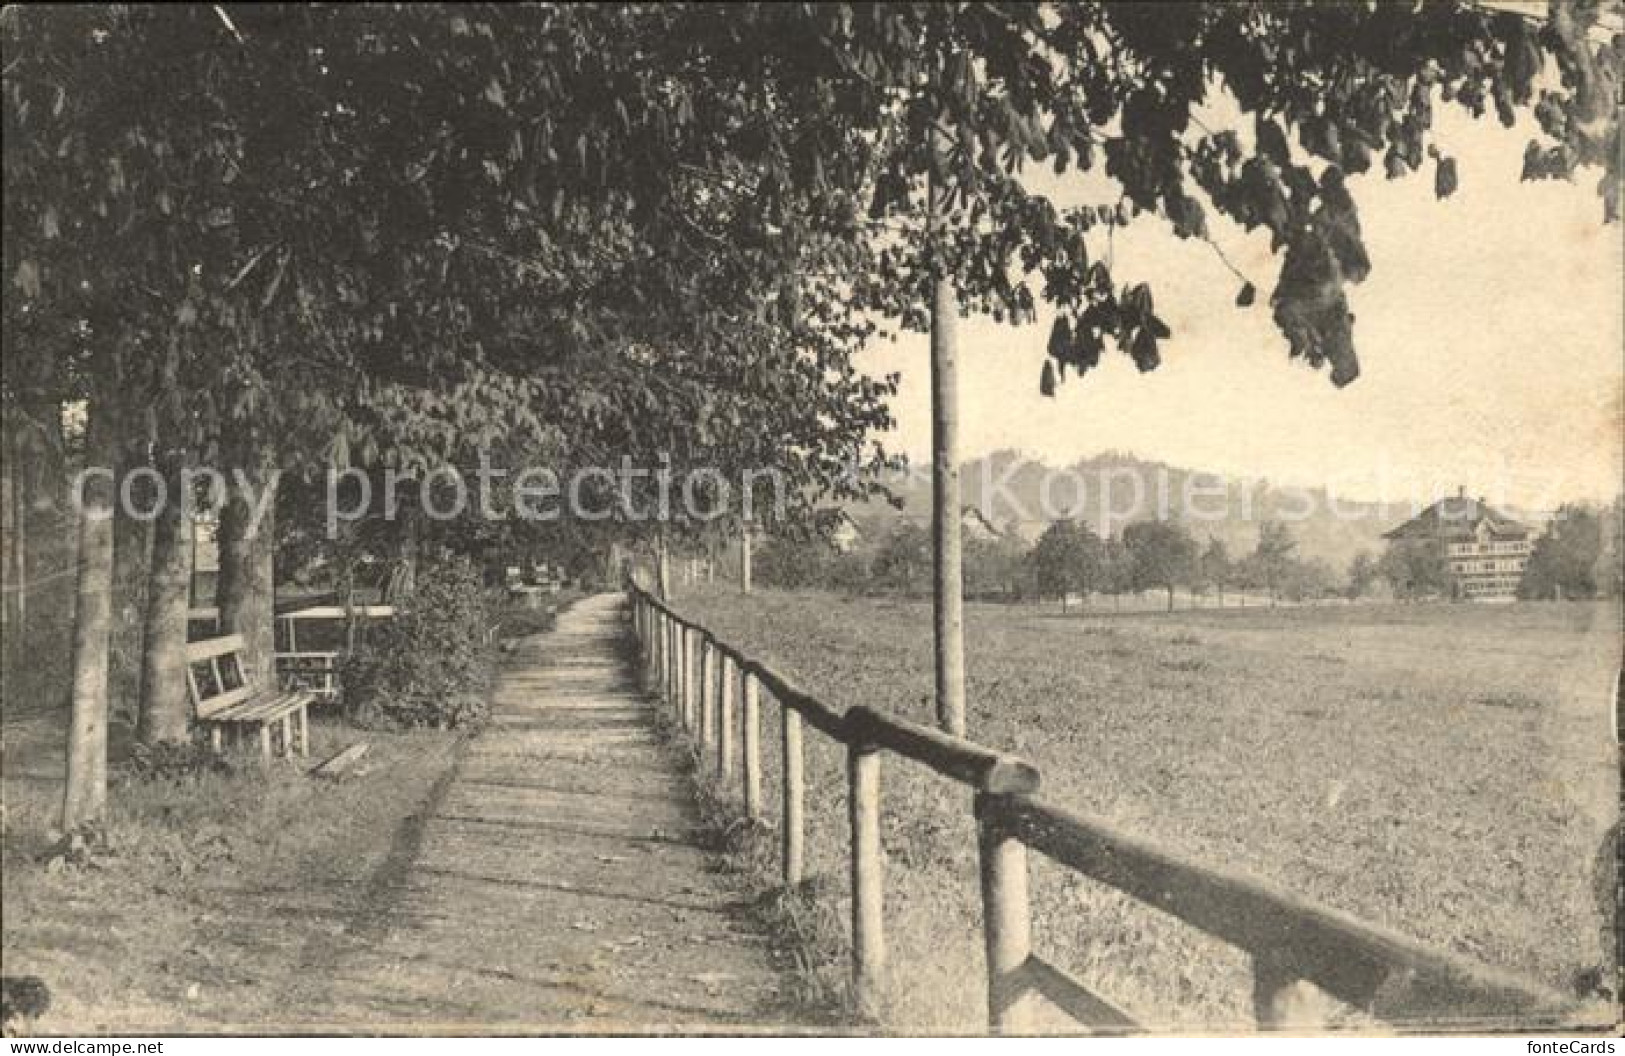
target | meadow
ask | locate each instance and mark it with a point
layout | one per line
(1445, 770)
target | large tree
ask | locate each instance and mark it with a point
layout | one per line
(1417, 568)
(1066, 560)
(1565, 559)
(1273, 557)
(1214, 569)
(1163, 555)
(1364, 571)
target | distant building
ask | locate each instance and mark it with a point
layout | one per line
(974, 526)
(1487, 550)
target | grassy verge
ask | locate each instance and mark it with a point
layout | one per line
(219, 894)
(800, 922)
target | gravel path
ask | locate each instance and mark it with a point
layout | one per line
(557, 882)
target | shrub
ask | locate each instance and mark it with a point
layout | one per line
(180, 762)
(432, 664)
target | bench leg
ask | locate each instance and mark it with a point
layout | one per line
(265, 741)
(304, 730)
(214, 737)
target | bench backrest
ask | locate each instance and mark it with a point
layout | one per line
(215, 675)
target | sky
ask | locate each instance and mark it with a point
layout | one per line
(1489, 334)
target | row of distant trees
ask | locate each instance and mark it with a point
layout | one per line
(1578, 556)
(1068, 560)
(1071, 559)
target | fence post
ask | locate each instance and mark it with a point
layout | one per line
(689, 663)
(679, 667)
(696, 665)
(704, 692)
(1006, 921)
(1282, 1000)
(657, 652)
(688, 677)
(793, 830)
(725, 716)
(669, 657)
(651, 646)
(752, 737)
(868, 908)
(640, 629)
(668, 654)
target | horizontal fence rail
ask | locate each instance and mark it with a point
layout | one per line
(1301, 952)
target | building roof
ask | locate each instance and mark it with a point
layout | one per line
(975, 524)
(1458, 517)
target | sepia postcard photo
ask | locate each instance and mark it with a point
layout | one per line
(702, 519)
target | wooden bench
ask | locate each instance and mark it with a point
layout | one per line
(224, 700)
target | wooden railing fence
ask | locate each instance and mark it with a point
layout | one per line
(1296, 945)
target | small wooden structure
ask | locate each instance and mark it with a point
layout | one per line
(314, 667)
(202, 621)
(224, 699)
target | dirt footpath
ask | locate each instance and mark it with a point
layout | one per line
(558, 882)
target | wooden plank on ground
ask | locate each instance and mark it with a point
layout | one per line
(340, 764)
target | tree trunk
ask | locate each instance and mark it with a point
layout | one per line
(166, 711)
(132, 565)
(132, 568)
(85, 794)
(13, 511)
(246, 589)
(744, 559)
(663, 569)
(405, 581)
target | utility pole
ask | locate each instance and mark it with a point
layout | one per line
(948, 601)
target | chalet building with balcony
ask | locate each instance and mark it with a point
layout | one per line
(1486, 549)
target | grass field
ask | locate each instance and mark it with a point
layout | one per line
(1444, 770)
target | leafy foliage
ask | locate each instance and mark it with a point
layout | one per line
(1272, 562)
(668, 227)
(1364, 571)
(1163, 553)
(1566, 558)
(175, 761)
(1416, 568)
(431, 664)
(1214, 568)
(903, 562)
(1066, 559)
